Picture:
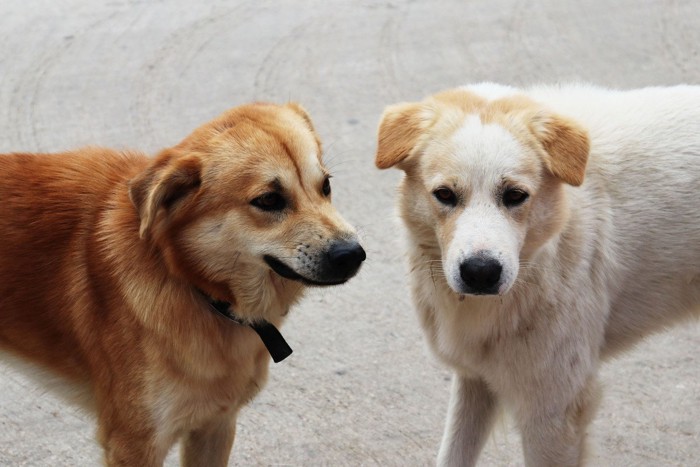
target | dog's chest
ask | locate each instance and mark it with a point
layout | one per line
(473, 336)
(181, 401)
(453, 334)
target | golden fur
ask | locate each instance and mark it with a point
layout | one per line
(104, 255)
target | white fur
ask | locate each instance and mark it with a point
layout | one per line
(482, 226)
(491, 91)
(625, 262)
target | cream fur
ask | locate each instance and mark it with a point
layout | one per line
(587, 270)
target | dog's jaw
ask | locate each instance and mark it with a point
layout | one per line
(337, 271)
(284, 271)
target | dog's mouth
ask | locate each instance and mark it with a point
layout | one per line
(343, 264)
(288, 273)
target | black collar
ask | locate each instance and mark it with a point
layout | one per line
(270, 336)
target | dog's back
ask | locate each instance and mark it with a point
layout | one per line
(641, 183)
(50, 204)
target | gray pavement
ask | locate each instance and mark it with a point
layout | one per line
(361, 387)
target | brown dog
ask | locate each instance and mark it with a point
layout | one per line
(113, 267)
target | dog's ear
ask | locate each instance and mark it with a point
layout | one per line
(302, 112)
(566, 146)
(168, 179)
(400, 128)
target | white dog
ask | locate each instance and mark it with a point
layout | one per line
(549, 229)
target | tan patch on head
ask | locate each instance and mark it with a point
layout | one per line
(562, 144)
(405, 127)
(567, 145)
(467, 102)
(400, 129)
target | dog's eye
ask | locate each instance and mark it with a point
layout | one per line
(514, 197)
(445, 196)
(270, 202)
(326, 189)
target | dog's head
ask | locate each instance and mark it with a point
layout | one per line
(247, 194)
(485, 170)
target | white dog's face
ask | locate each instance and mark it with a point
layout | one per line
(483, 181)
(480, 180)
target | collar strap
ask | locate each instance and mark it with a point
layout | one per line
(270, 336)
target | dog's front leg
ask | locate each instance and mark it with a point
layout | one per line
(126, 435)
(209, 445)
(469, 421)
(555, 435)
(127, 446)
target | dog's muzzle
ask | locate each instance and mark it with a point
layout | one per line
(336, 265)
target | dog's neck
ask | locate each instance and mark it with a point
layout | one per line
(270, 336)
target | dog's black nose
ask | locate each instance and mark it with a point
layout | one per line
(345, 257)
(481, 274)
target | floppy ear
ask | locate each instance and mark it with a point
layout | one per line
(400, 128)
(566, 146)
(167, 180)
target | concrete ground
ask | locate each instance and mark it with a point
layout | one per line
(361, 387)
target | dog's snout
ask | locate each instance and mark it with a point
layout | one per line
(345, 257)
(481, 274)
